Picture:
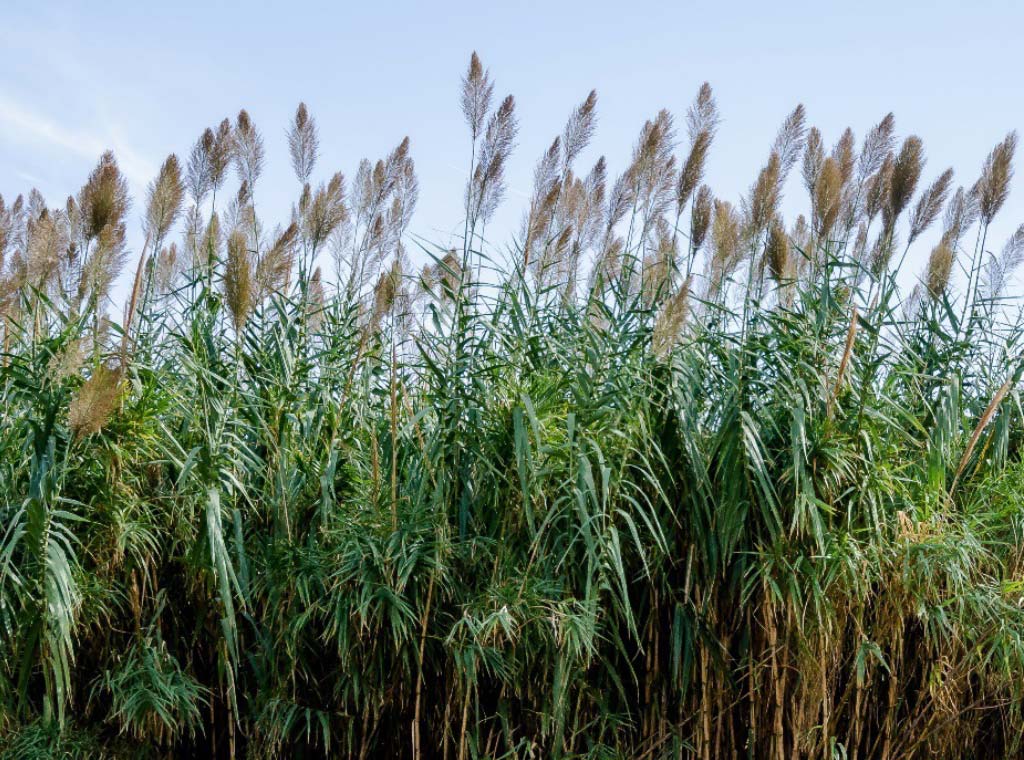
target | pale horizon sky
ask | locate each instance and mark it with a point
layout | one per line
(145, 80)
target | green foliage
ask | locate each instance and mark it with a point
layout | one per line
(493, 512)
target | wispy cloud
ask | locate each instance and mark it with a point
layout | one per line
(21, 123)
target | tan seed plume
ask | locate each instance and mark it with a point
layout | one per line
(994, 186)
(238, 279)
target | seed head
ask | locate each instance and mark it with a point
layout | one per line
(961, 213)
(579, 130)
(789, 142)
(702, 116)
(220, 152)
(671, 320)
(777, 252)
(164, 197)
(104, 197)
(814, 157)
(303, 144)
(906, 173)
(693, 170)
(700, 217)
(168, 266)
(725, 239)
(940, 264)
(827, 197)
(929, 204)
(764, 196)
(324, 212)
(274, 269)
(95, 401)
(994, 186)
(210, 247)
(843, 154)
(238, 280)
(248, 149)
(487, 186)
(877, 146)
(878, 185)
(1000, 268)
(199, 178)
(477, 90)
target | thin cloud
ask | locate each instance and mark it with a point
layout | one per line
(23, 124)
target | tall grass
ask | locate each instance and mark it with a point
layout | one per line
(665, 477)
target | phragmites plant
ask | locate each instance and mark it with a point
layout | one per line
(668, 475)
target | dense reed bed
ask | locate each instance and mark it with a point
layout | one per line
(662, 477)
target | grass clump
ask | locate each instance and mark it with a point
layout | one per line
(665, 477)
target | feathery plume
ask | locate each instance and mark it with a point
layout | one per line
(906, 173)
(303, 143)
(579, 130)
(220, 152)
(777, 252)
(671, 319)
(877, 146)
(316, 300)
(653, 165)
(273, 271)
(477, 90)
(104, 264)
(546, 188)
(827, 197)
(325, 212)
(165, 195)
(1000, 268)
(209, 249)
(702, 115)
(487, 187)
(940, 265)
(843, 155)
(591, 218)
(700, 217)
(199, 173)
(95, 401)
(994, 186)
(961, 214)
(46, 239)
(5, 231)
(658, 265)
(764, 195)
(929, 205)
(104, 197)
(249, 153)
(238, 281)
(447, 273)
(68, 360)
(386, 293)
(876, 193)
(860, 243)
(790, 141)
(725, 240)
(814, 158)
(168, 267)
(693, 170)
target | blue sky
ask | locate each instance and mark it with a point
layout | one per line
(145, 79)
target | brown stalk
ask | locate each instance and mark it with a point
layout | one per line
(851, 335)
(133, 303)
(986, 418)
